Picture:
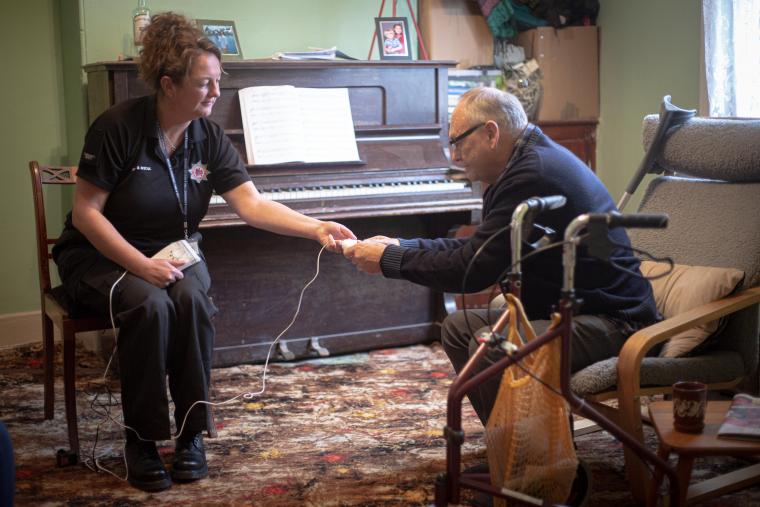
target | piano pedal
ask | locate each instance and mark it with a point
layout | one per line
(317, 347)
(284, 351)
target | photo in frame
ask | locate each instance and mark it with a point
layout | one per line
(224, 35)
(393, 38)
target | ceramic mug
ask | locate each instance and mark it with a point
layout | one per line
(689, 401)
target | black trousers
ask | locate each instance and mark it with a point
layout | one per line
(594, 338)
(162, 332)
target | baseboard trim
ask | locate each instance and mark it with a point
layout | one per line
(26, 327)
(20, 328)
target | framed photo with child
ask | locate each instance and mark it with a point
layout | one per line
(393, 38)
(224, 35)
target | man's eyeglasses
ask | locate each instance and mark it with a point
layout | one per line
(454, 140)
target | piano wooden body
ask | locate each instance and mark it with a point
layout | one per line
(402, 188)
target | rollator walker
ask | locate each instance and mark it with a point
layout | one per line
(449, 485)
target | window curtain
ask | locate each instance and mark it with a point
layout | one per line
(732, 57)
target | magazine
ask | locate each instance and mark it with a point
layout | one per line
(743, 418)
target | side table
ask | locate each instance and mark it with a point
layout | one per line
(689, 446)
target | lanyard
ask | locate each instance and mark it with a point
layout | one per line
(182, 203)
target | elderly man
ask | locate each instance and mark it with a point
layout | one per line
(493, 141)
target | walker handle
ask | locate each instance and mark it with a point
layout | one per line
(632, 220)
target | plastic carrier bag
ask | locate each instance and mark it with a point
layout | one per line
(528, 435)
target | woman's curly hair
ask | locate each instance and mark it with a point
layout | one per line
(170, 43)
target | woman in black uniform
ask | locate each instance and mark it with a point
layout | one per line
(145, 178)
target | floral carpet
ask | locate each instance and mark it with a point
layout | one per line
(362, 429)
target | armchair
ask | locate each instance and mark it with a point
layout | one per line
(711, 191)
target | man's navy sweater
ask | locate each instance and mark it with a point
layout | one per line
(540, 167)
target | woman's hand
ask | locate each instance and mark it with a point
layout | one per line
(161, 272)
(328, 233)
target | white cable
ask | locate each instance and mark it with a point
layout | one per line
(107, 415)
(250, 395)
(113, 322)
(245, 395)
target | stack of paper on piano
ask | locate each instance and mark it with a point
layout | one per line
(287, 124)
(314, 54)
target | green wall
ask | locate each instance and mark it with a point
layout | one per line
(264, 26)
(649, 48)
(34, 127)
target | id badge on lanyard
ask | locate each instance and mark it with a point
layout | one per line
(181, 200)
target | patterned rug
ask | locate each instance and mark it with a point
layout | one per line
(362, 429)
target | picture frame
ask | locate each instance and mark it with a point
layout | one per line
(393, 38)
(224, 35)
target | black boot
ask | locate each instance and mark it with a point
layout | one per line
(189, 459)
(145, 470)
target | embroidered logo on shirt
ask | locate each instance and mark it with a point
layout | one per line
(141, 168)
(88, 156)
(198, 172)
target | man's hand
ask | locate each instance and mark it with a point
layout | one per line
(365, 255)
(385, 240)
(329, 232)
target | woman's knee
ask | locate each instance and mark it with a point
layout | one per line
(193, 300)
(145, 306)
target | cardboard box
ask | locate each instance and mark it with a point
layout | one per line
(455, 30)
(569, 63)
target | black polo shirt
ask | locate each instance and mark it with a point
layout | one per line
(123, 156)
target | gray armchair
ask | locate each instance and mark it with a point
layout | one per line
(711, 191)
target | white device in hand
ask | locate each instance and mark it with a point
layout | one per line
(179, 251)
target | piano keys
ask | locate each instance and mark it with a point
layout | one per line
(303, 193)
(350, 200)
(403, 187)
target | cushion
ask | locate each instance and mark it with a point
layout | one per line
(685, 288)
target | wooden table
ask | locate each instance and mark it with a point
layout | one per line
(689, 446)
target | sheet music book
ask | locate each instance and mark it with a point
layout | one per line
(288, 124)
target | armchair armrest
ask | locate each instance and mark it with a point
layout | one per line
(636, 347)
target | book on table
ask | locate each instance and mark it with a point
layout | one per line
(742, 420)
(284, 124)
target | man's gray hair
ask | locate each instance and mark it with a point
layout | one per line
(484, 103)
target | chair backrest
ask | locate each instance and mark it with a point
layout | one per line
(46, 175)
(713, 198)
(714, 206)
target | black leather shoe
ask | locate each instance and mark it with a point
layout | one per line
(145, 470)
(189, 459)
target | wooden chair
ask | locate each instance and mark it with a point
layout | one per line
(56, 310)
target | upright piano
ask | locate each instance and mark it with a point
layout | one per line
(403, 187)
